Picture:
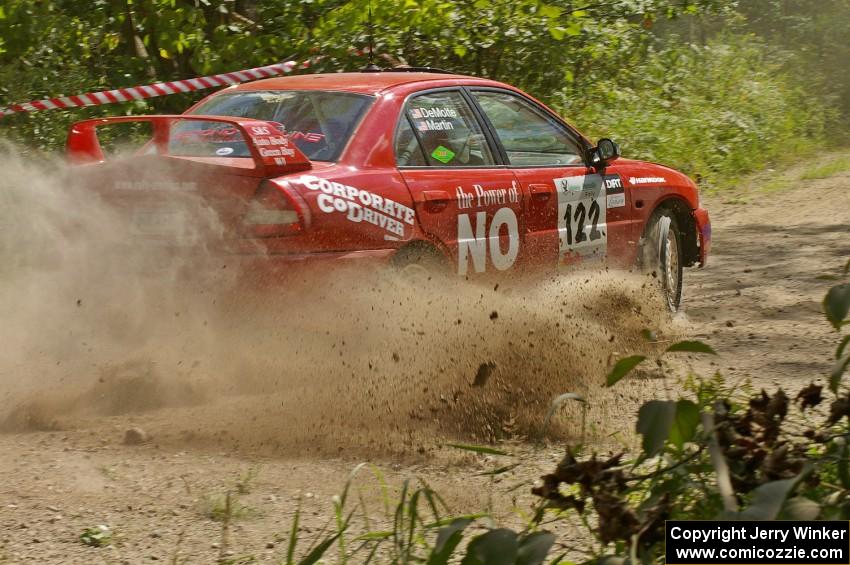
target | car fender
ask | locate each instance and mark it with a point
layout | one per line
(654, 186)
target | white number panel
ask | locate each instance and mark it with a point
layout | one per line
(582, 229)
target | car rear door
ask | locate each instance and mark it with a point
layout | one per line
(572, 214)
(465, 198)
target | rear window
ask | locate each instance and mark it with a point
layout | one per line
(320, 123)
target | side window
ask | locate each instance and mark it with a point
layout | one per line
(408, 152)
(446, 131)
(530, 138)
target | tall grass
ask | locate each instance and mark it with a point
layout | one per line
(421, 528)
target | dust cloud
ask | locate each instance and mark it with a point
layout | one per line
(96, 326)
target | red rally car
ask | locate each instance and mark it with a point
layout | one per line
(412, 168)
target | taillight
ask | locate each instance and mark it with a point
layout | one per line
(273, 213)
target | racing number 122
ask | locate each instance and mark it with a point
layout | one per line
(581, 214)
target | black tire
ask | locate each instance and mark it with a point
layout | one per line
(661, 255)
(420, 262)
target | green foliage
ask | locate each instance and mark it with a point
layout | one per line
(715, 111)
(691, 347)
(816, 43)
(622, 368)
(769, 499)
(717, 107)
(477, 448)
(655, 420)
(99, 536)
(421, 533)
(224, 508)
(663, 421)
(836, 304)
(827, 170)
(781, 459)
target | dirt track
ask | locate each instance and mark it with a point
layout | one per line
(758, 304)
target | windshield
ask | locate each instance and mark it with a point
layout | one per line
(320, 123)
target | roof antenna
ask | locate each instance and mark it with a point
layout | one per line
(371, 67)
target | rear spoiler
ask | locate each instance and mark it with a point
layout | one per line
(271, 150)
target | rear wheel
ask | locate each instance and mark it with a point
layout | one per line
(419, 263)
(661, 256)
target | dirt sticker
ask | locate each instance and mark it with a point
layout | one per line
(615, 191)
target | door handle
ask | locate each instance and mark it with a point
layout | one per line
(435, 200)
(541, 192)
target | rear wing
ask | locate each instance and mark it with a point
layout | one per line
(272, 152)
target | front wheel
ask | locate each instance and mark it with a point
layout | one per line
(661, 256)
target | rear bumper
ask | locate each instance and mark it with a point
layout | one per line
(703, 224)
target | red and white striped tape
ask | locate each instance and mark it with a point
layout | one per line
(154, 90)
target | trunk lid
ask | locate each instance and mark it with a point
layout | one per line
(194, 182)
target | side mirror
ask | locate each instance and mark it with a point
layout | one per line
(605, 152)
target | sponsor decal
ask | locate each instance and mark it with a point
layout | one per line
(275, 141)
(615, 191)
(275, 97)
(481, 197)
(223, 151)
(308, 136)
(273, 144)
(480, 236)
(613, 184)
(437, 112)
(231, 135)
(582, 228)
(443, 154)
(157, 221)
(281, 152)
(477, 242)
(616, 200)
(216, 134)
(360, 205)
(434, 125)
(647, 180)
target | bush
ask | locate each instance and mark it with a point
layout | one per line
(715, 112)
(721, 454)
